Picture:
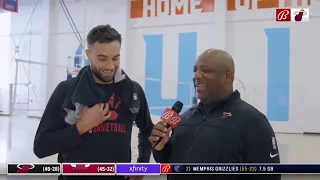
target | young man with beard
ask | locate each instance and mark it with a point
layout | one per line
(89, 119)
(222, 128)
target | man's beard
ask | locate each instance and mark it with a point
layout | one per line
(98, 75)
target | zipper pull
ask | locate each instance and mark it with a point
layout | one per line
(204, 117)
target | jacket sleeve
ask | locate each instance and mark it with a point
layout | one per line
(261, 145)
(53, 135)
(163, 155)
(145, 125)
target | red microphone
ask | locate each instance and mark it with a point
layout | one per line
(171, 117)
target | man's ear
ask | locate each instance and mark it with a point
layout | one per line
(229, 76)
(87, 53)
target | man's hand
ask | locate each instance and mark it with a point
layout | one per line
(93, 117)
(133, 177)
(159, 130)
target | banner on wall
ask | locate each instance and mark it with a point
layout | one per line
(9, 5)
(156, 8)
(234, 5)
(146, 8)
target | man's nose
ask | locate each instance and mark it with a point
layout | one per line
(109, 66)
(197, 75)
(108, 62)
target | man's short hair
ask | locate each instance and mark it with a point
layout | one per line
(103, 34)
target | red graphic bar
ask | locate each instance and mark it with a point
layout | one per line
(166, 168)
(88, 169)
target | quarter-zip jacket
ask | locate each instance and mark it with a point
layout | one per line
(231, 131)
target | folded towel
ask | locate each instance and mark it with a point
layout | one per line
(85, 92)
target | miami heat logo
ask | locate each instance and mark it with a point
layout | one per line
(24, 168)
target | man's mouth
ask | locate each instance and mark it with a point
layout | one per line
(200, 87)
(107, 72)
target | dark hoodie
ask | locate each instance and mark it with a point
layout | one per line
(109, 142)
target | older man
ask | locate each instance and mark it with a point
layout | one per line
(221, 129)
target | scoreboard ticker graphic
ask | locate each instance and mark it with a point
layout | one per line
(107, 169)
(34, 169)
(88, 169)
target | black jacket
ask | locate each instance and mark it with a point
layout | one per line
(111, 142)
(231, 131)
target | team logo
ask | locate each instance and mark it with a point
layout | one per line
(299, 15)
(135, 96)
(178, 168)
(24, 168)
(226, 114)
(80, 168)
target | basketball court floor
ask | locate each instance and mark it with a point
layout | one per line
(17, 135)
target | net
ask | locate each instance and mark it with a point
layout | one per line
(28, 88)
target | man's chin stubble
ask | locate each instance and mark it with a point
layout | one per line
(108, 80)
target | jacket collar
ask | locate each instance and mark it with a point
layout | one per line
(234, 96)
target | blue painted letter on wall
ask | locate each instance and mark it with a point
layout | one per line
(278, 74)
(187, 53)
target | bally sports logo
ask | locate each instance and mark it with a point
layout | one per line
(171, 117)
(158, 8)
